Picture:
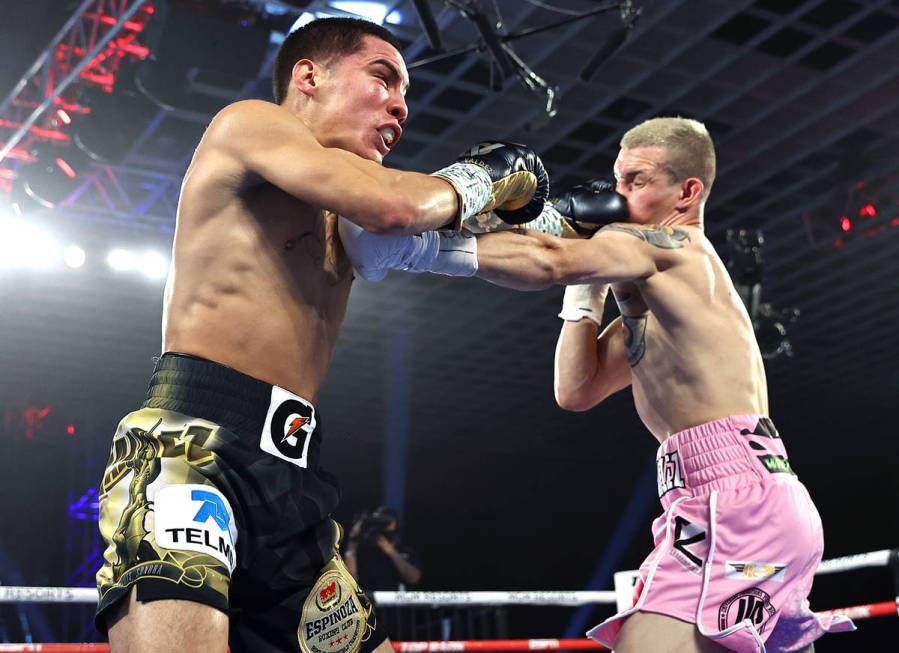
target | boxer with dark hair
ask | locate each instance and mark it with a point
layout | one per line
(225, 538)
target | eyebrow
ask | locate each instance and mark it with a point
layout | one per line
(393, 70)
(628, 174)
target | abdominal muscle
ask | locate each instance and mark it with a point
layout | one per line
(260, 286)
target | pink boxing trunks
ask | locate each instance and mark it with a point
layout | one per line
(737, 545)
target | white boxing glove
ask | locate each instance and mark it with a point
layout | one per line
(372, 255)
(584, 300)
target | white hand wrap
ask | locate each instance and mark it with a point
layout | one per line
(473, 186)
(586, 300)
(450, 253)
(550, 221)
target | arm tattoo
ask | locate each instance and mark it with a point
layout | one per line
(634, 338)
(326, 251)
(658, 236)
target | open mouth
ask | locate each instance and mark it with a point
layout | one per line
(389, 135)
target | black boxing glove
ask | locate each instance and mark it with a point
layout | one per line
(578, 212)
(590, 206)
(506, 178)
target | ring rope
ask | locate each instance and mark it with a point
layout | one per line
(857, 561)
(23, 594)
(857, 612)
(15, 594)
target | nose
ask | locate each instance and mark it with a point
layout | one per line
(620, 186)
(398, 108)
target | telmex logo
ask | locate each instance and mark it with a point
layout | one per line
(213, 507)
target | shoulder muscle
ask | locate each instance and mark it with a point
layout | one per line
(655, 235)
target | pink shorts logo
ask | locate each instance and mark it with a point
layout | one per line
(755, 571)
(752, 604)
(668, 473)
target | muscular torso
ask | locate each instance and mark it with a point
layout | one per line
(690, 343)
(259, 283)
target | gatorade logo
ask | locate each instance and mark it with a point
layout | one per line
(289, 427)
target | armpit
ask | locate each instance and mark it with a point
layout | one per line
(656, 235)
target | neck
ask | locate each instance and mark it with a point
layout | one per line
(687, 219)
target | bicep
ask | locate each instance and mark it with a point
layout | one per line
(607, 257)
(272, 144)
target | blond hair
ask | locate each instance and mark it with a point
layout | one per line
(689, 148)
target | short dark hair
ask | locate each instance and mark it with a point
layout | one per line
(323, 40)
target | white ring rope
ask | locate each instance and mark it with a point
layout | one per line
(13, 594)
(857, 561)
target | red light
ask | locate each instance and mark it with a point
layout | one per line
(63, 116)
(70, 429)
(867, 211)
(894, 222)
(845, 223)
(66, 168)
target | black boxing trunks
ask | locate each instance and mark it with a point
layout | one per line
(213, 493)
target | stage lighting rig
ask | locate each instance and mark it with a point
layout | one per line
(745, 265)
(505, 62)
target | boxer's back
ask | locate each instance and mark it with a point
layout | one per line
(259, 280)
(699, 359)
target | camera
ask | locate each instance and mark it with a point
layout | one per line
(373, 525)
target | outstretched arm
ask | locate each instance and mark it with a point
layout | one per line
(519, 259)
(531, 260)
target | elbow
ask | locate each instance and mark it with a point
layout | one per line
(391, 219)
(394, 212)
(576, 400)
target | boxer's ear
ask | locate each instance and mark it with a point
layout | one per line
(305, 76)
(691, 190)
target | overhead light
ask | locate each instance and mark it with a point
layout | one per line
(63, 116)
(154, 265)
(73, 256)
(121, 260)
(304, 19)
(23, 244)
(376, 12)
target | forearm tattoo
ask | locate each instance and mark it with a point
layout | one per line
(658, 236)
(634, 338)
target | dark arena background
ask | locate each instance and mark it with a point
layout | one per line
(439, 402)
